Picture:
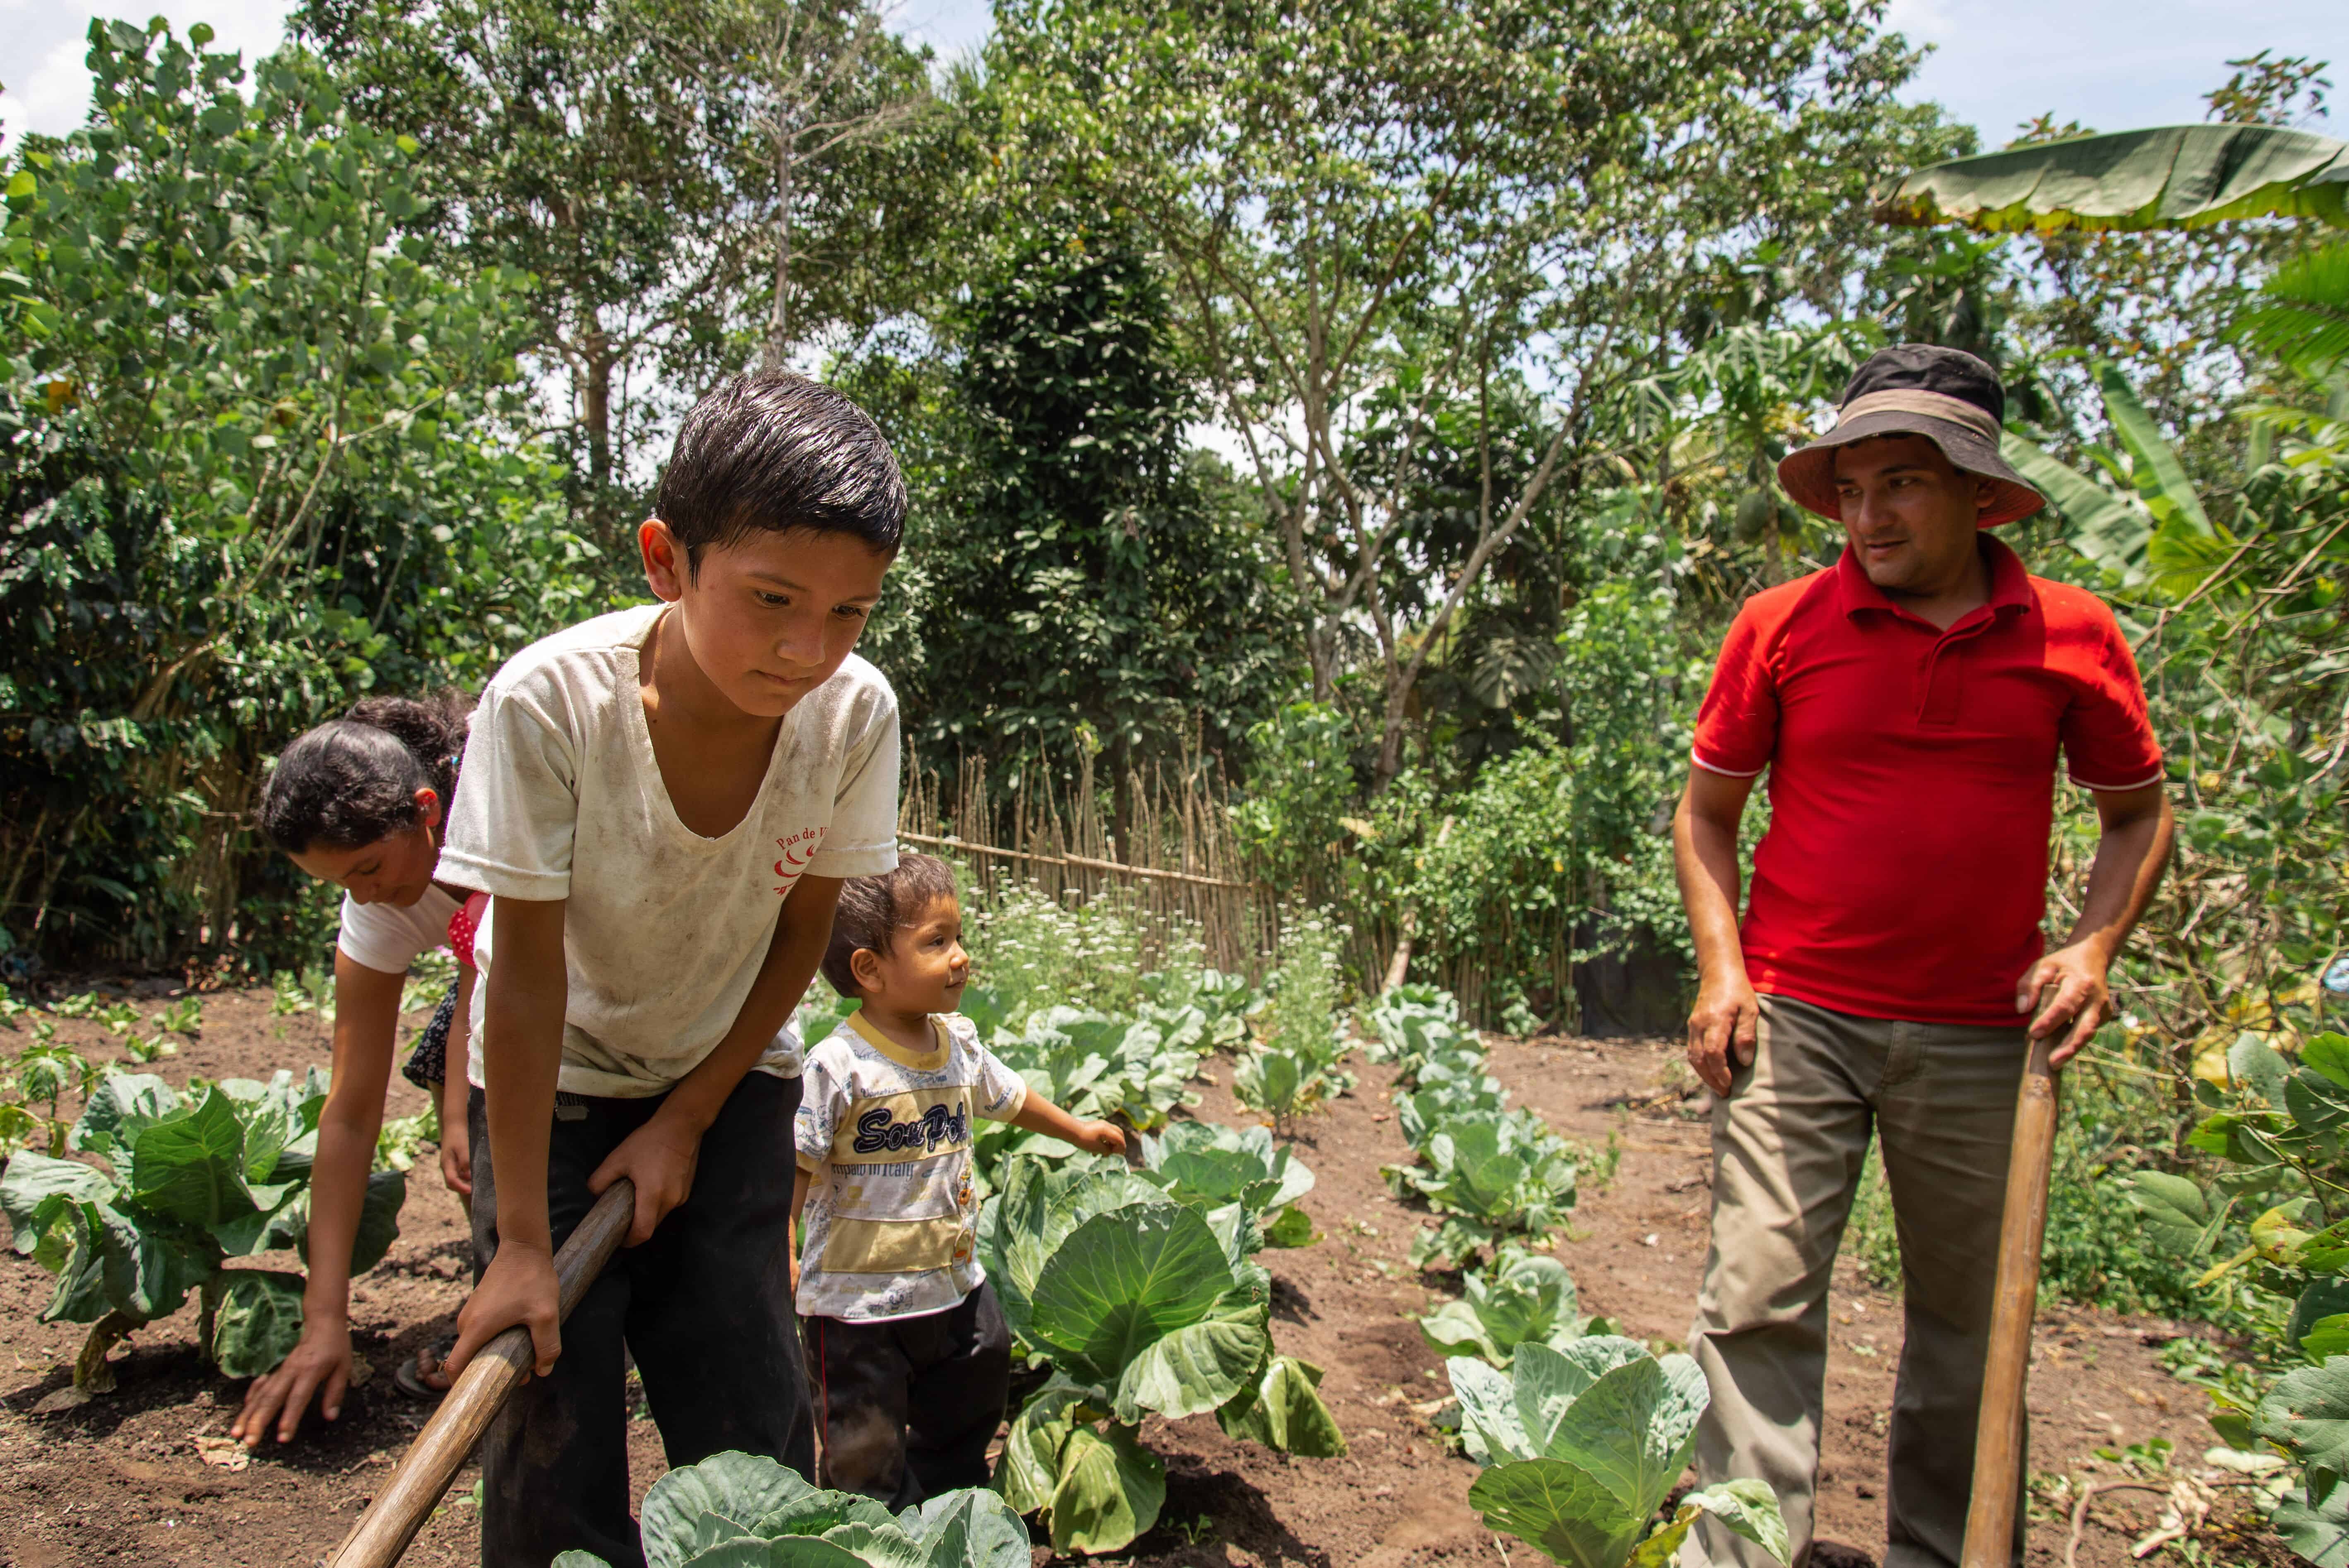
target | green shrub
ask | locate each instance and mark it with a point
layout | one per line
(1582, 1445)
(189, 1182)
(1141, 1309)
(736, 1510)
(1520, 1298)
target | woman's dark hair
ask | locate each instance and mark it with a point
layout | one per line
(353, 780)
(873, 909)
(775, 451)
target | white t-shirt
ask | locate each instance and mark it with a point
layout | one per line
(891, 1222)
(387, 938)
(664, 929)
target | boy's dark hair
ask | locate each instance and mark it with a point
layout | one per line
(773, 451)
(873, 909)
(353, 780)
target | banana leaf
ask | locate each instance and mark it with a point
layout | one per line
(2170, 177)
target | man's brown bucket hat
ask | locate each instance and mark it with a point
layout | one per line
(1946, 395)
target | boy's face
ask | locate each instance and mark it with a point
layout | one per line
(770, 617)
(925, 968)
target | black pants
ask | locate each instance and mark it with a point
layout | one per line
(909, 1404)
(705, 1306)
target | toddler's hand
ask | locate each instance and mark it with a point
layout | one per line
(1102, 1137)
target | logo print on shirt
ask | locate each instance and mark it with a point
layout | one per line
(879, 1128)
(798, 851)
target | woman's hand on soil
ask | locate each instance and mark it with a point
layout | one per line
(660, 1158)
(1724, 1022)
(518, 1287)
(320, 1364)
(1102, 1137)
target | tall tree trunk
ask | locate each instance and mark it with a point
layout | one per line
(1398, 709)
(596, 414)
(1319, 646)
(779, 315)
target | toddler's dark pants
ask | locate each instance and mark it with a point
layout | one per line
(909, 1404)
(705, 1306)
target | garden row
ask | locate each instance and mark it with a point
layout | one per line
(1131, 1289)
(1583, 1432)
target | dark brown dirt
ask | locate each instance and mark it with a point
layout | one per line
(122, 1479)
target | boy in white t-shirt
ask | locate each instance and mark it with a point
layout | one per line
(909, 1349)
(663, 803)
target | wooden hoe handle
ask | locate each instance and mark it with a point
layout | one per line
(448, 1438)
(1998, 1439)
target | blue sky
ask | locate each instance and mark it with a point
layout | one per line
(2111, 63)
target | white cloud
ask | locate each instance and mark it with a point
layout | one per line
(53, 96)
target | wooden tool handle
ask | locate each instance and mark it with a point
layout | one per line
(1998, 1439)
(448, 1438)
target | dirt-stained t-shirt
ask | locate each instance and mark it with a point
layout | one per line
(884, 1135)
(664, 931)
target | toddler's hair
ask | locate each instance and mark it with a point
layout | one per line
(353, 780)
(774, 451)
(873, 909)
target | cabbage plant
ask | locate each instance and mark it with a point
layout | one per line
(1523, 1298)
(1489, 1175)
(188, 1182)
(1141, 1307)
(1238, 1175)
(1582, 1445)
(1448, 1085)
(744, 1511)
(1412, 1022)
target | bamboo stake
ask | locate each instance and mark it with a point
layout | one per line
(1999, 1434)
(449, 1438)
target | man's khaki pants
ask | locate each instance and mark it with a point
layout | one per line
(1787, 1145)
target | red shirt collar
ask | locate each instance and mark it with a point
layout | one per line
(2009, 585)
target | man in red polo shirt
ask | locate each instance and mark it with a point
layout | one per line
(1907, 705)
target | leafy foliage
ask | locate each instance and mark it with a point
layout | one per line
(1489, 1174)
(1103, 578)
(734, 1509)
(1490, 1170)
(1293, 1066)
(256, 455)
(188, 1183)
(1520, 1298)
(1581, 1445)
(1246, 1185)
(1142, 1306)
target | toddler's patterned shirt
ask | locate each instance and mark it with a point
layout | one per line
(885, 1134)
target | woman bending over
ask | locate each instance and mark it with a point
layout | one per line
(360, 802)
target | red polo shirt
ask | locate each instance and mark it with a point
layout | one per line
(1912, 780)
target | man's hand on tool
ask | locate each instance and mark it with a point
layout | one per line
(518, 1287)
(659, 1157)
(2081, 999)
(1723, 1021)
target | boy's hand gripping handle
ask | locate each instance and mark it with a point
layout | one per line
(448, 1438)
(1998, 1439)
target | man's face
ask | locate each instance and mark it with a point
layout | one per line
(770, 617)
(1910, 516)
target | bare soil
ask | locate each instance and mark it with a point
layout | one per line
(132, 1478)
